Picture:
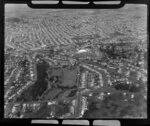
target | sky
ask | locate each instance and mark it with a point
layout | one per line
(16, 7)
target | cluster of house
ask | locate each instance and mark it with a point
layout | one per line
(25, 107)
(83, 106)
(84, 79)
(87, 79)
(33, 107)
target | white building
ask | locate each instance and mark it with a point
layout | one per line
(84, 105)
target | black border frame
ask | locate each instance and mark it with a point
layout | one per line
(28, 121)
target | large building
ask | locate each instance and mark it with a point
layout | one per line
(86, 53)
(83, 105)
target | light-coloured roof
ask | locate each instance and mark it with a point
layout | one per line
(82, 50)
